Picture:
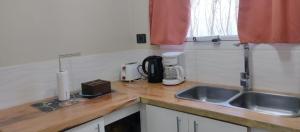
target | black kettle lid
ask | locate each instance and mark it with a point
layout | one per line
(154, 57)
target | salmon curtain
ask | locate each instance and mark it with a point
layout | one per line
(169, 21)
(269, 21)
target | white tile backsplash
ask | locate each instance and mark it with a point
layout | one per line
(275, 67)
(29, 82)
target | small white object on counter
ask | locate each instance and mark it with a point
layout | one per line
(63, 85)
(129, 72)
(174, 72)
(63, 79)
(172, 58)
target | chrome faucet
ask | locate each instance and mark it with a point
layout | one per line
(246, 80)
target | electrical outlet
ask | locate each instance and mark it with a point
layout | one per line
(141, 38)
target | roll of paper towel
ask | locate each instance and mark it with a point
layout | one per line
(63, 85)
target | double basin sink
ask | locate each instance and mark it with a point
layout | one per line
(267, 103)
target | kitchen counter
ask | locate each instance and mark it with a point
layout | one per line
(164, 96)
(26, 118)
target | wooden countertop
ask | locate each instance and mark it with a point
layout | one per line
(25, 118)
(164, 96)
(28, 119)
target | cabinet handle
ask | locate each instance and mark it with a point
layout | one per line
(98, 126)
(195, 126)
(178, 123)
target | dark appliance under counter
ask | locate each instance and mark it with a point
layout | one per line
(130, 123)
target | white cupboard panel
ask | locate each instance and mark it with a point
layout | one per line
(165, 120)
(93, 126)
(201, 124)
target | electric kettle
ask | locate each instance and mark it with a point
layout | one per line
(153, 67)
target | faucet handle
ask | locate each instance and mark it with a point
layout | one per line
(244, 80)
(244, 75)
(244, 83)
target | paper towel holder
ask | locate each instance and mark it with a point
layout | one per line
(63, 80)
(61, 56)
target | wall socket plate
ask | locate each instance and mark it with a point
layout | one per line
(141, 38)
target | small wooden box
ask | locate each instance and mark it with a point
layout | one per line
(96, 88)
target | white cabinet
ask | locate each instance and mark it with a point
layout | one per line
(98, 125)
(258, 130)
(164, 120)
(201, 124)
(93, 126)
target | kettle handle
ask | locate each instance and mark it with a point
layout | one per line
(144, 65)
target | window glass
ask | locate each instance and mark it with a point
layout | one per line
(213, 18)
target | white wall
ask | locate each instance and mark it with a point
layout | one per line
(34, 32)
(140, 16)
(35, 81)
(275, 67)
(39, 30)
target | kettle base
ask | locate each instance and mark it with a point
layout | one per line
(154, 80)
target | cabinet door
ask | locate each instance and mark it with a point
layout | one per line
(201, 124)
(92, 126)
(258, 130)
(165, 120)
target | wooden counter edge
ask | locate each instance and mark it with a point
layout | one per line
(72, 124)
(83, 119)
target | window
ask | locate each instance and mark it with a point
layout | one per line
(211, 18)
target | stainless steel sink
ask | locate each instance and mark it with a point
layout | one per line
(267, 103)
(207, 94)
(272, 104)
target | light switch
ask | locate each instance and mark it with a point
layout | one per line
(141, 38)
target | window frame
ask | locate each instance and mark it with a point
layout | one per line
(212, 38)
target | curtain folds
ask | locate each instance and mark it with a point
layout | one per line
(269, 21)
(169, 21)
